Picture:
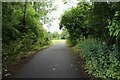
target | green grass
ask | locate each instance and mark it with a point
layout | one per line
(58, 41)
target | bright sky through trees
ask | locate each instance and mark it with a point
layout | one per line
(61, 7)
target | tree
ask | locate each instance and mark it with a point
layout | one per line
(74, 21)
(64, 34)
(94, 29)
(22, 30)
(56, 35)
(79, 23)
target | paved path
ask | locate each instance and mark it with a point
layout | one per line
(56, 61)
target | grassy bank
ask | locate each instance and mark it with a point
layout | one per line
(58, 41)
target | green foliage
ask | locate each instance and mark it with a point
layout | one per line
(91, 19)
(64, 34)
(55, 35)
(101, 60)
(19, 39)
(114, 25)
(76, 22)
(94, 28)
(10, 22)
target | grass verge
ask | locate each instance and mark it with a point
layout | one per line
(58, 41)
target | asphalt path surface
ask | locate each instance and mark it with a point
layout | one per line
(57, 61)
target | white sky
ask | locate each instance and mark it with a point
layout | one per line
(61, 7)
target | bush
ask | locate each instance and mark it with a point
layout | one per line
(71, 42)
(23, 46)
(21, 37)
(101, 60)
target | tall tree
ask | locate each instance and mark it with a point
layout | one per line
(24, 17)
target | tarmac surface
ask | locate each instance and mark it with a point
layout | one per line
(57, 61)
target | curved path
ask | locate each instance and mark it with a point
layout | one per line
(57, 61)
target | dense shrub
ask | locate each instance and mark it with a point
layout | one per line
(101, 60)
(22, 32)
(71, 42)
(100, 21)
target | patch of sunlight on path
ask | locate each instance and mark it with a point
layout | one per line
(58, 41)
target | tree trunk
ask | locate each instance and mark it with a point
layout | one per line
(24, 17)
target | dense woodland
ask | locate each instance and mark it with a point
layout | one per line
(22, 29)
(94, 30)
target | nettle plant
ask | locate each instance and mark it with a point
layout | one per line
(100, 60)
